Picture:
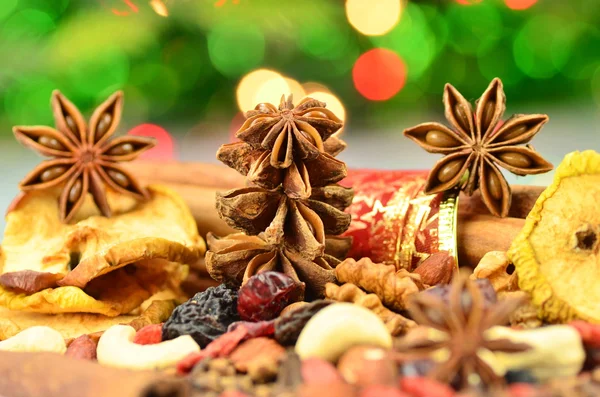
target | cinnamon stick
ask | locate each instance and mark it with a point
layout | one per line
(198, 174)
(50, 374)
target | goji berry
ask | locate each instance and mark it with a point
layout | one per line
(590, 333)
(149, 335)
(425, 387)
(382, 391)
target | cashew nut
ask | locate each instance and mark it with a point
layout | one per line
(116, 349)
(36, 339)
(555, 351)
(336, 328)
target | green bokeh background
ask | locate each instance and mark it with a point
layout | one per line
(178, 68)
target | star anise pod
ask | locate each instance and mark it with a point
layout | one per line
(477, 144)
(237, 257)
(301, 225)
(461, 324)
(288, 145)
(84, 157)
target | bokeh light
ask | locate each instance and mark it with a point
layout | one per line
(165, 146)
(474, 30)
(235, 47)
(333, 103)
(158, 83)
(295, 89)
(159, 7)
(99, 76)
(262, 85)
(26, 25)
(519, 4)
(468, 2)
(313, 86)
(373, 18)
(543, 46)
(323, 40)
(379, 74)
(413, 40)
(265, 85)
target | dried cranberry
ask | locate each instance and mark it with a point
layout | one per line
(265, 295)
(261, 328)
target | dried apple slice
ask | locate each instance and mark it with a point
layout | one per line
(557, 254)
(72, 325)
(104, 265)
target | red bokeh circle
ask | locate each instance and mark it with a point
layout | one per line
(519, 4)
(165, 146)
(379, 74)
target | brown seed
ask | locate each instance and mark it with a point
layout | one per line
(440, 139)
(75, 191)
(53, 173)
(449, 170)
(514, 132)
(316, 114)
(119, 178)
(50, 142)
(494, 187)
(515, 159)
(71, 124)
(461, 116)
(488, 114)
(124, 148)
(103, 125)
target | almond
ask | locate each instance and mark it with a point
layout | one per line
(438, 268)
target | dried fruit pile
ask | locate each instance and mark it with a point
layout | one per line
(291, 317)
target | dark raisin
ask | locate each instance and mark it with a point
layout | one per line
(265, 295)
(519, 376)
(205, 317)
(289, 326)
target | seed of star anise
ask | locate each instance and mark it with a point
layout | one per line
(288, 145)
(84, 157)
(478, 144)
(460, 324)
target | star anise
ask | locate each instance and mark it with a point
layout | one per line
(478, 144)
(237, 257)
(461, 324)
(84, 158)
(288, 145)
(300, 225)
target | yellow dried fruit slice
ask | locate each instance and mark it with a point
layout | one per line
(72, 325)
(557, 254)
(106, 265)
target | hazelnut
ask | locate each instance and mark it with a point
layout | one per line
(368, 365)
